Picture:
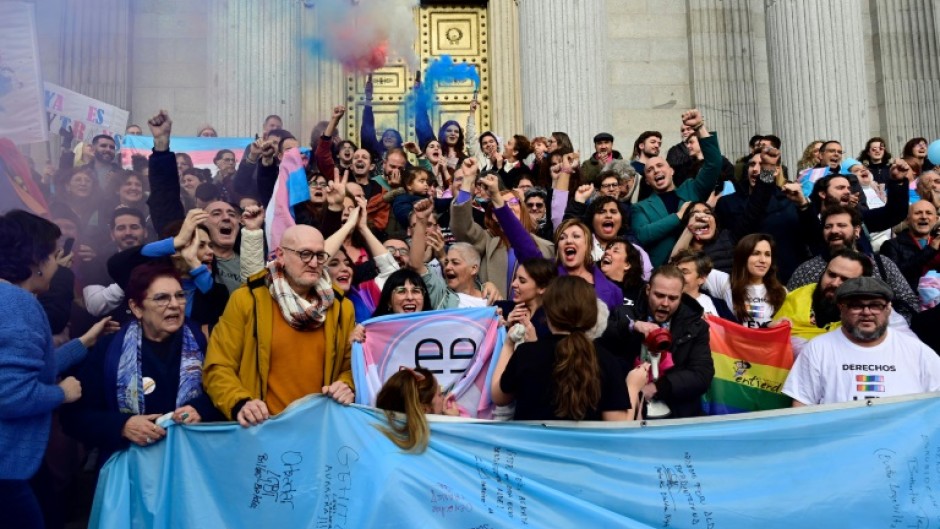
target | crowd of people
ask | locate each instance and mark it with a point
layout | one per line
(184, 312)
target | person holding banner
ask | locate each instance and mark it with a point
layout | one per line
(414, 393)
(564, 376)
(404, 292)
(152, 367)
(253, 368)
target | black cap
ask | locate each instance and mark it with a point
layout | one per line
(603, 136)
(864, 287)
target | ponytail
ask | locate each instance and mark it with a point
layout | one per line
(408, 392)
(577, 377)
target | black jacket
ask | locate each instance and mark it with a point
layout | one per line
(682, 386)
(164, 201)
(909, 257)
(924, 325)
(778, 216)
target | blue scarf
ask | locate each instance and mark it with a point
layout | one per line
(130, 383)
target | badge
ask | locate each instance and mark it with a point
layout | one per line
(149, 385)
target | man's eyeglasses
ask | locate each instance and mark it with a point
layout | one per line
(610, 185)
(307, 255)
(230, 160)
(397, 251)
(323, 184)
(162, 300)
(402, 290)
(876, 307)
(535, 205)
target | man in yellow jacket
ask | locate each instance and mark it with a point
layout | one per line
(284, 335)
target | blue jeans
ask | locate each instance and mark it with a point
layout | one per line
(18, 506)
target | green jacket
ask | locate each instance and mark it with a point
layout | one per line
(657, 230)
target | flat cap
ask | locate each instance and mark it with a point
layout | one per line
(603, 136)
(864, 287)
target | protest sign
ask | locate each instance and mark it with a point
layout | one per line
(21, 105)
(88, 117)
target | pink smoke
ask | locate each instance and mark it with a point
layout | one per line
(364, 35)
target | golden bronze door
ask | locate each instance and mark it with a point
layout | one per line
(458, 31)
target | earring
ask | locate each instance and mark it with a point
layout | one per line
(39, 273)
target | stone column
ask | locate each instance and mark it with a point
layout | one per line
(728, 69)
(95, 50)
(907, 59)
(255, 58)
(564, 81)
(816, 55)
(324, 82)
(505, 74)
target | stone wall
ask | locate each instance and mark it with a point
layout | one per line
(624, 66)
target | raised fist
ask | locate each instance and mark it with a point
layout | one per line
(160, 124)
(692, 118)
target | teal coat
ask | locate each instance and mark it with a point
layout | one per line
(656, 230)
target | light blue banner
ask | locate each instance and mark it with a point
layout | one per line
(322, 465)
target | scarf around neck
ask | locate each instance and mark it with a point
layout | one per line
(298, 312)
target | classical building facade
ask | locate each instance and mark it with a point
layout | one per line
(802, 69)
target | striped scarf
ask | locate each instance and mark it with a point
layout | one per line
(298, 312)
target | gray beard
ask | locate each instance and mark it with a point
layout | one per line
(863, 336)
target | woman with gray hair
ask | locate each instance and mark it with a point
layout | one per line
(458, 288)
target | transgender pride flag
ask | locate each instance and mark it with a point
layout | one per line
(457, 345)
(291, 189)
(808, 178)
(201, 150)
(751, 366)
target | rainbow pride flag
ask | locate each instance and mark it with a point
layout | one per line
(751, 366)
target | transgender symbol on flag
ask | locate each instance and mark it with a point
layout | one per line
(457, 345)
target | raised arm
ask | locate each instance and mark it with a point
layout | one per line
(707, 177)
(895, 208)
(461, 211)
(164, 201)
(252, 242)
(519, 239)
(267, 170)
(367, 129)
(756, 208)
(423, 128)
(335, 241)
(324, 153)
(561, 179)
(473, 143)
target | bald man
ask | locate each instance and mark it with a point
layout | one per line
(284, 335)
(916, 249)
(657, 220)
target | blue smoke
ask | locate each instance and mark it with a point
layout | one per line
(440, 71)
